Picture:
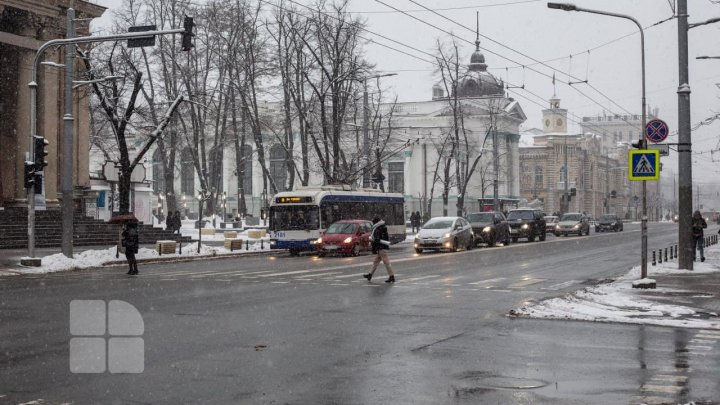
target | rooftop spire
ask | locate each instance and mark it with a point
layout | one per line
(477, 30)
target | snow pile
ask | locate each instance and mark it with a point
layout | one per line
(619, 302)
(98, 258)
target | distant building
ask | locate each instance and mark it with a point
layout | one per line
(555, 164)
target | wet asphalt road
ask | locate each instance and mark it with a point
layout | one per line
(308, 330)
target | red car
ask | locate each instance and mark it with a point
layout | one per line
(348, 237)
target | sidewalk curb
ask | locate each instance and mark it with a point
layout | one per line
(181, 259)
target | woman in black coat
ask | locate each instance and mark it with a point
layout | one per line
(380, 245)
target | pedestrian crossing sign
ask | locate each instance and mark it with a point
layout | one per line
(644, 165)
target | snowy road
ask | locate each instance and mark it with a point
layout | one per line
(283, 329)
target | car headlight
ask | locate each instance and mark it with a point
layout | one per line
(487, 229)
(319, 240)
(525, 226)
(557, 226)
(348, 240)
(576, 226)
(612, 224)
(447, 235)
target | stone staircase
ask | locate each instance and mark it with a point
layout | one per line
(87, 231)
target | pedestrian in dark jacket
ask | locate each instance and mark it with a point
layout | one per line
(698, 224)
(170, 222)
(380, 244)
(130, 242)
(177, 223)
(415, 219)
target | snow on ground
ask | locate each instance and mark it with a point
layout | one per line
(619, 302)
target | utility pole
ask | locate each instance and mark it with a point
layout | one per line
(67, 148)
(566, 204)
(496, 168)
(685, 257)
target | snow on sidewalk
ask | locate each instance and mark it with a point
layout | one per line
(98, 258)
(619, 302)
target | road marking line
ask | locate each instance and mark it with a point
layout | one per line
(525, 283)
(691, 347)
(349, 276)
(561, 285)
(279, 282)
(665, 389)
(667, 377)
(491, 280)
(421, 278)
(309, 276)
(285, 273)
(712, 342)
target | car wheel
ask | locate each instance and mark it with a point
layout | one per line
(514, 240)
(418, 251)
(321, 254)
(531, 238)
(294, 252)
(471, 244)
(455, 246)
(557, 234)
(355, 250)
(491, 242)
(542, 237)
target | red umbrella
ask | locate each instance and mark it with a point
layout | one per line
(120, 219)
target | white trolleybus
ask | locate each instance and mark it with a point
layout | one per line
(298, 218)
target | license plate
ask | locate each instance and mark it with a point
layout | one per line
(430, 241)
(330, 247)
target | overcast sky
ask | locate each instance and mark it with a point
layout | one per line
(539, 34)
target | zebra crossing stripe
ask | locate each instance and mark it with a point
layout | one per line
(421, 278)
(488, 281)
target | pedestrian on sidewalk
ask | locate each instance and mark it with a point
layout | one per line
(130, 242)
(177, 223)
(698, 224)
(415, 219)
(380, 244)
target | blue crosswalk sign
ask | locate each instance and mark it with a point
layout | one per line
(644, 165)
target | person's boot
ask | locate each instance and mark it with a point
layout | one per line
(130, 272)
(368, 276)
(390, 279)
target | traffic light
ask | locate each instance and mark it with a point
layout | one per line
(40, 153)
(29, 174)
(187, 36)
(639, 144)
(573, 191)
(37, 183)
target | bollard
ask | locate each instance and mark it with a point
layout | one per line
(666, 254)
(654, 262)
(261, 244)
(247, 244)
(660, 256)
(671, 253)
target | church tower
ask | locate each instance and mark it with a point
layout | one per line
(555, 118)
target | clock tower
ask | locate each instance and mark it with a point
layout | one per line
(555, 118)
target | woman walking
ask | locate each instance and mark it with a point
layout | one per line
(380, 243)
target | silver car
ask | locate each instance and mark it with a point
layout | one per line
(573, 223)
(445, 233)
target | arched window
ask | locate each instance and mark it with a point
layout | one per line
(538, 176)
(187, 172)
(278, 170)
(158, 170)
(246, 167)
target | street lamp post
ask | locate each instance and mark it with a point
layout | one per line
(366, 119)
(201, 197)
(642, 141)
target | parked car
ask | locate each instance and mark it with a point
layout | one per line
(526, 223)
(347, 237)
(550, 222)
(445, 233)
(609, 222)
(489, 227)
(573, 223)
